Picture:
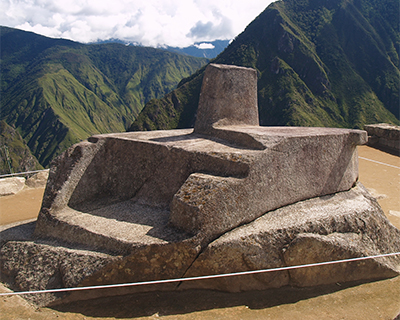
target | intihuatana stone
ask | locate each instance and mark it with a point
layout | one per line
(227, 196)
(228, 97)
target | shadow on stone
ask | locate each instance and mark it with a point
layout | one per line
(189, 301)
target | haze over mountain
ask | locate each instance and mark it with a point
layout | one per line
(319, 63)
(204, 49)
(57, 92)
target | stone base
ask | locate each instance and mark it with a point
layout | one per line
(204, 186)
(345, 225)
(341, 226)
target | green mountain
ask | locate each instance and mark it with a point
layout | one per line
(15, 155)
(319, 63)
(57, 92)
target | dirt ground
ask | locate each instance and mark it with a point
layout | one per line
(379, 172)
(22, 206)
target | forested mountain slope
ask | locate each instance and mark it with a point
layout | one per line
(319, 62)
(15, 156)
(57, 92)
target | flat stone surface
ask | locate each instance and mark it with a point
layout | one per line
(187, 175)
(206, 185)
(117, 227)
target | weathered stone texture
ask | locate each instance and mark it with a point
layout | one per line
(38, 266)
(38, 180)
(346, 225)
(228, 97)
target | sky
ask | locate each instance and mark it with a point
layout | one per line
(177, 23)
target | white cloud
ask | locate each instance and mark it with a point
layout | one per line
(205, 46)
(150, 22)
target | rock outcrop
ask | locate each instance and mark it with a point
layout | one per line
(38, 180)
(227, 196)
(10, 186)
(13, 185)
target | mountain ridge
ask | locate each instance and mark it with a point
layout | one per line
(319, 63)
(57, 92)
(15, 155)
(209, 51)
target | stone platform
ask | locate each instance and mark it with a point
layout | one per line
(201, 185)
(226, 196)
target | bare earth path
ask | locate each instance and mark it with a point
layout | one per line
(379, 172)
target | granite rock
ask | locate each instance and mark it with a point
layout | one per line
(346, 225)
(10, 186)
(38, 180)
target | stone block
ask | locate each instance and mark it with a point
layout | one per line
(384, 136)
(38, 180)
(228, 97)
(346, 225)
(10, 186)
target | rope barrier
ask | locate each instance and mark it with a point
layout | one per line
(21, 173)
(109, 286)
(385, 164)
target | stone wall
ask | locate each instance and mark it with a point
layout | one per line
(384, 136)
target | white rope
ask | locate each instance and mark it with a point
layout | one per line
(21, 173)
(108, 286)
(385, 164)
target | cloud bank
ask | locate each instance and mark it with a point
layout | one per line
(176, 23)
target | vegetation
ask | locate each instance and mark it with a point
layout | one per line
(320, 63)
(57, 92)
(15, 155)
